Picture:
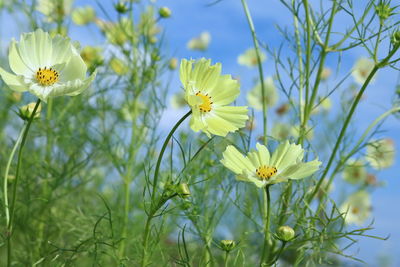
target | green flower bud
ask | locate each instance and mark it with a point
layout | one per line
(164, 12)
(25, 112)
(173, 63)
(285, 233)
(120, 7)
(396, 38)
(383, 10)
(183, 190)
(227, 245)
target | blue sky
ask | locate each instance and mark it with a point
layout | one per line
(230, 36)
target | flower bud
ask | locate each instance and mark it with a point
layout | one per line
(383, 10)
(121, 8)
(25, 112)
(183, 190)
(227, 245)
(285, 233)
(396, 38)
(173, 63)
(164, 12)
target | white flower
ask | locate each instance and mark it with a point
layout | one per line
(361, 70)
(249, 58)
(46, 66)
(200, 42)
(254, 97)
(357, 208)
(381, 153)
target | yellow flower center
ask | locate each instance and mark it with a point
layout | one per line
(46, 76)
(206, 105)
(355, 210)
(266, 172)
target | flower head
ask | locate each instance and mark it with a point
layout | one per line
(354, 172)
(381, 153)
(254, 97)
(208, 92)
(83, 15)
(200, 42)
(46, 66)
(262, 169)
(249, 58)
(361, 70)
(357, 208)
(55, 9)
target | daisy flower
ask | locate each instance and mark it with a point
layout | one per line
(249, 58)
(208, 92)
(361, 70)
(200, 42)
(262, 169)
(381, 153)
(45, 66)
(357, 208)
(254, 97)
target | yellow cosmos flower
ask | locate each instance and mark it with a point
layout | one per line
(200, 42)
(361, 70)
(83, 15)
(249, 58)
(254, 97)
(354, 172)
(208, 92)
(55, 9)
(381, 153)
(46, 66)
(262, 169)
(357, 208)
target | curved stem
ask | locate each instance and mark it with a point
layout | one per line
(266, 248)
(5, 186)
(226, 260)
(14, 197)
(260, 69)
(153, 206)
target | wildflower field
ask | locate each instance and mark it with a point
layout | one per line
(199, 133)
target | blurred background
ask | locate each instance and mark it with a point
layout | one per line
(228, 36)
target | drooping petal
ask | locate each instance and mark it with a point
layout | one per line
(14, 82)
(235, 161)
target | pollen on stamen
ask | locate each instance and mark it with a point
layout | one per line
(265, 172)
(47, 77)
(206, 105)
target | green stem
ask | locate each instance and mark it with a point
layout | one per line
(260, 69)
(5, 186)
(348, 119)
(14, 197)
(266, 248)
(153, 206)
(226, 259)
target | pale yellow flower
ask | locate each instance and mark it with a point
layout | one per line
(355, 172)
(83, 15)
(200, 42)
(381, 153)
(361, 70)
(254, 97)
(249, 58)
(208, 93)
(357, 208)
(55, 9)
(46, 66)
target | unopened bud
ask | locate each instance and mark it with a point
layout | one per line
(120, 7)
(396, 38)
(285, 233)
(183, 190)
(227, 245)
(173, 63)
(383, 10)
(25, 112)
(164, 12)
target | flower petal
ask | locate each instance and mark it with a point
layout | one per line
(205, 75)
(13, 81)
(236, 162)
(300, 170)
(17, 64)
(225, 91)
(286, 154)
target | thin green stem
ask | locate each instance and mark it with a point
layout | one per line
(5, 186)
(226, 260)
(267, 208)
(260, 70)
(14, 197)
(153, 206)
(348, 119)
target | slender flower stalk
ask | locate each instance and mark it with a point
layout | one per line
(14, 197)
(266, 246)
(155, 206)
